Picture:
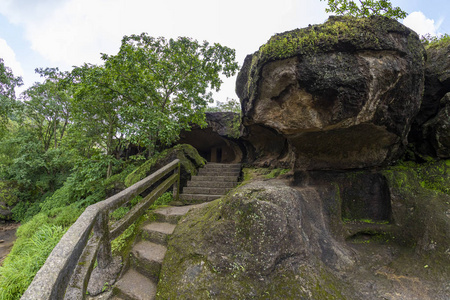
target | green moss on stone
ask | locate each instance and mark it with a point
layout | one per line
(422, 201)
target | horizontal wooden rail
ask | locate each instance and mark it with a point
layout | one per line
(66, 272)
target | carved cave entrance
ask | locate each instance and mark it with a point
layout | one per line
(211, 146)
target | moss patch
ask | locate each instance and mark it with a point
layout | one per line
(422, 204)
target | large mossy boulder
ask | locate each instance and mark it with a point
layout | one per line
(189, 158)
(310, 239)
(339, 95)
(261, 242)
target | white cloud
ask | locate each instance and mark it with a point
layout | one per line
(418, 22)
(9, 58)
(72, 32)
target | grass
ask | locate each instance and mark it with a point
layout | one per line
(25, 259)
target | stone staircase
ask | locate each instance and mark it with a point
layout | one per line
(212, 182)
(141, 274)
(141, 271)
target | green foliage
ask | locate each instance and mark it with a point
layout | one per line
(63, 146)
(164, 200)
(26, 258)
(47, 108)
(231, 105)
(119, 213)
(325, 36)
(8, 105)
(7, 193)
(188, 156)
(155, 87)
(365, 8)
(122, 242)
(435, 42)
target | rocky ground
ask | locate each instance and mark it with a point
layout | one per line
(7, 238)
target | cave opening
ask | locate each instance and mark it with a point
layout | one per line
(212, 146)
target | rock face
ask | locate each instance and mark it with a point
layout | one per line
(262, 242)
(340, 95)
(268, 240)
(437, 130)
(430, 131)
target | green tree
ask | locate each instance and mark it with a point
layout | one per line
(230, 105)
(96, 110)
(47, 107)
(365, 8)
(165, 85)
(8, 83)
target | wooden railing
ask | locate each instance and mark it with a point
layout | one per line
(71, 262)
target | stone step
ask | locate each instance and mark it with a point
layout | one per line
(146, 257)
(157, 232)
(209, 172)
(205, 190)
(172, 214)
(220, 184)
(135, 286)
(199, 197)
(354, 227)
(217, 166)
(215, 178)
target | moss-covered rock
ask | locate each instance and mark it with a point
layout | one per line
(258, 243)
(339, 95)
(420, 194)
(189, 158)
(268, 240)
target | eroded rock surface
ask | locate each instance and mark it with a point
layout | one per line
(342, 94)
(430, 133)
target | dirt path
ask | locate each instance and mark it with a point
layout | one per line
(7, 238)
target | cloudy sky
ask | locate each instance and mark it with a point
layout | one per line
(66, 33)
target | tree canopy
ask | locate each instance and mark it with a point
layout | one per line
(8, 83)
(156, 87)
(365, 8)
